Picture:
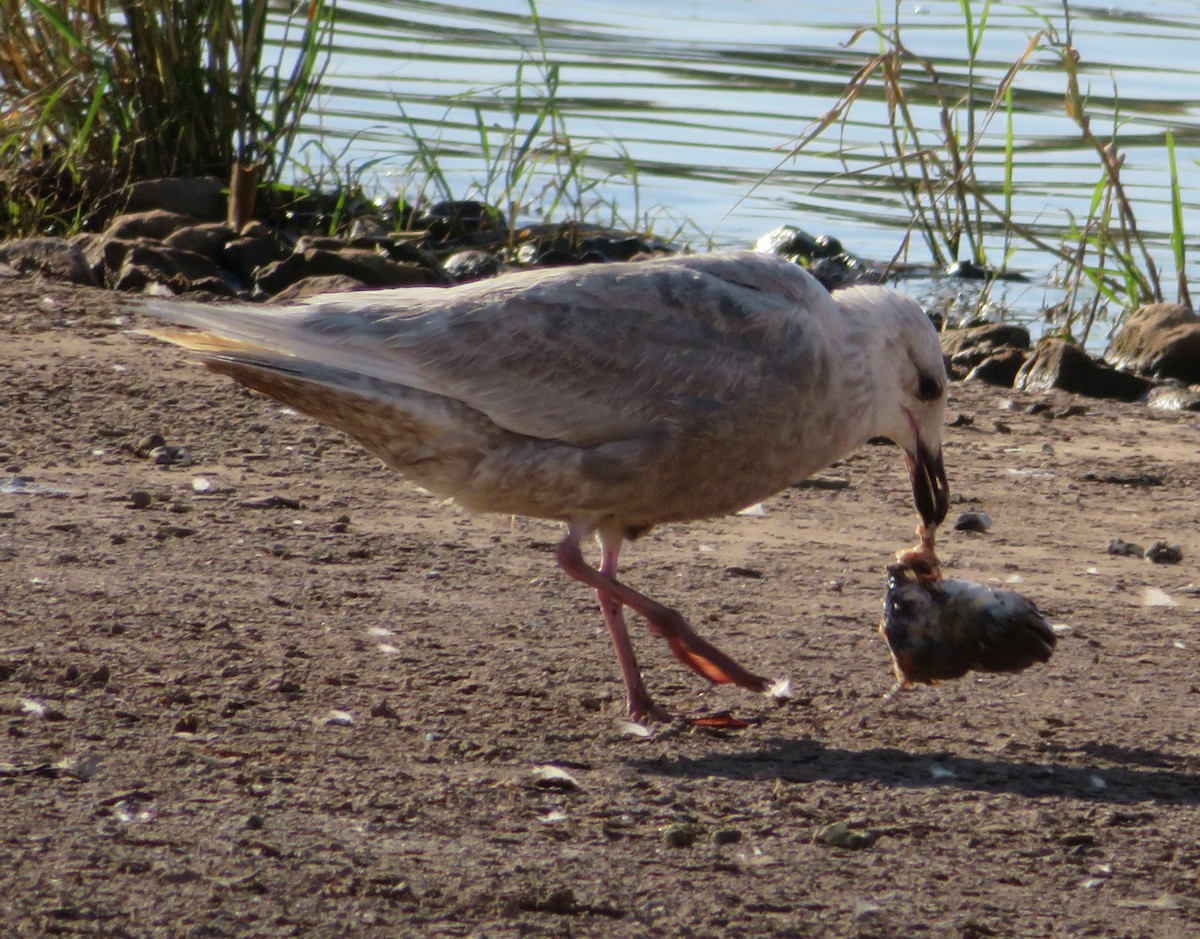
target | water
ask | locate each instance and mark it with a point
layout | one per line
(705, 98)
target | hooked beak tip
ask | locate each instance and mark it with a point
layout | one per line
(931, 489)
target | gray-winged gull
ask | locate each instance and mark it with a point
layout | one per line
(613, 398)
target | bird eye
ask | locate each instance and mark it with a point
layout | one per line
(929, 388)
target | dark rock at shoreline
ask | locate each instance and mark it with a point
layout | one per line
(56, 258)
(312, 286)
(155, 225)
(207, 238)
(371, 267)
(999, 369)
(132, 265)
(1059, 364)
(990, 352)
(1161, 340)
(247, 254)
(987, 338)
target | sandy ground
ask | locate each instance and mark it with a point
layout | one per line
(292, 696)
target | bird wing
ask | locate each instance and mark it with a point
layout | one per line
(580, 355)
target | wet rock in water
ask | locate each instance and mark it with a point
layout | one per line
(1162, 553)
(973, 521)
(1122, 548)
(1161, 340)
(943, 629)
(55, 258)
(1059, 364)
(844, 270)
(788, 241)
(969, 270)
(1173, 395)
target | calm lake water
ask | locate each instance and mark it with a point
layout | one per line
(705, 97)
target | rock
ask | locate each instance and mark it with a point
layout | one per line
(680, 835)
(149, 442)
(472, 265)
(368, 266)
(155, 225)
(973, 521)
(1000, 369)
(1173, 395)
(726, 836)
(208, 239)
(312, 286)
(969, 270)
(843, 270)
(1161, 340)
(247, 253)
(132, 265)
(987, 339)
(56, 258)
(1063, 365)
(841, 835)
(455, 218)
(201, 197)
(1126, 549)
(1162, 553)
(795, 244)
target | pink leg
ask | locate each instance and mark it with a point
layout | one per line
(641, 705)
(697, 654)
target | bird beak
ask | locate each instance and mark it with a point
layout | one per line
(931, 490)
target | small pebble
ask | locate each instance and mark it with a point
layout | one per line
(973, 521)
(726, 836)
(680, 835)
(1162, 553)
(841, 835)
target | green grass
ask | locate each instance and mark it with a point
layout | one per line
(1104, 259)
(137, 89)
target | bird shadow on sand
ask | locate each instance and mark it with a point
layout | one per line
(1113, 774)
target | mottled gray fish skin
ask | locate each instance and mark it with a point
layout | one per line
(941, 630)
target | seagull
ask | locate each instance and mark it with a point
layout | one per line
(612, 398)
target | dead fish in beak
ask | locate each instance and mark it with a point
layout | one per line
(940, 630)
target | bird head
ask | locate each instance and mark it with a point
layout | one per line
(910, 375)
